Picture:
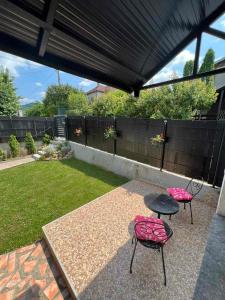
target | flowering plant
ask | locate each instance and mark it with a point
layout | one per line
(110, 133)
(77, 131)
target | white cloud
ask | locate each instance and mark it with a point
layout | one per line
(182, 57)
(85, 82)
(26, 100)
(222, 23)
(38, 83)
(42, 94)
(14, 63)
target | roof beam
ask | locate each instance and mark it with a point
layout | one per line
(52, 5)
(215, 32)
(193, 34)
(19, 48)
(48, 27)
(187, 78)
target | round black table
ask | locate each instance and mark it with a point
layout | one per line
(161, 204)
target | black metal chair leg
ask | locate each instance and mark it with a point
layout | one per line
(131, 263)
(170, 217)
(191, 213)
(184, 205)
(164, 269)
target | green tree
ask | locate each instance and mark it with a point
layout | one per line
(208, 65)
(36, 110)
(188, 68)
(14, 146)
(179, 101)
(9, 102)
(57, 96)
(78, 104)
(29, 143)
(113, 104)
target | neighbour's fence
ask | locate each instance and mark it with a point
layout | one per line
(192, 148)
(19, 126)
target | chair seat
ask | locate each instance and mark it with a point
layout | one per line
(179, 194)
(150, 229)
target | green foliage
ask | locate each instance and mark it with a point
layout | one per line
(78, 104)
(29, 143)
(208, 65)
(188, 68)
(115, 103)
(46, 139)
(14, 146)
(9, 102)
(2, 155)
(36, 110)
(179, 101)
(158, 139)
(57, 96)
(110, 133)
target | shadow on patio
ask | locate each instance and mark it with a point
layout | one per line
(93, 246)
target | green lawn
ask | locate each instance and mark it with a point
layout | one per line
(35, 194)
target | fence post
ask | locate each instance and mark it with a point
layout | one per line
(66, 128)
(35, 129)
(115, 138)
(218, 158)
(85, 131)
(164, 144)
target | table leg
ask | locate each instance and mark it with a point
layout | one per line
(158, 215)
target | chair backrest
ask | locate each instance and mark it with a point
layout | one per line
(194, 187)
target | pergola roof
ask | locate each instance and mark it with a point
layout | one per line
(122, 43)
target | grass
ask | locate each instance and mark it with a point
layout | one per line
(34, 194)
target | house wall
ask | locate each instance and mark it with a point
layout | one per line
(132, 169)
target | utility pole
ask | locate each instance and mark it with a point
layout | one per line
(58, 77)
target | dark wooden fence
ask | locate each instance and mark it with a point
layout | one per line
(192, 148)
(18, 126)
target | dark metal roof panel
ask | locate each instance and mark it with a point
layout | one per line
(122, 43)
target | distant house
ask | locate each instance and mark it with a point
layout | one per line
(98, 91)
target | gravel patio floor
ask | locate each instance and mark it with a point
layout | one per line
(93, 246)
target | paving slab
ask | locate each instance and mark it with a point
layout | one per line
(15, 162)
(92, 245)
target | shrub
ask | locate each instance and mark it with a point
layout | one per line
(46, 139)
(29, 143)
(14, 146)
(110, 133)
(2, 155)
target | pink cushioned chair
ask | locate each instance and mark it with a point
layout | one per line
(151, 233)
(185, 195)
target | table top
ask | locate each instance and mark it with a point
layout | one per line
(161, 203)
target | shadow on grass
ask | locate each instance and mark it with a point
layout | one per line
(95, 172)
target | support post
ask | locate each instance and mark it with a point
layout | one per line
(136, 93)
(220, 103)
(115, 139)
(218, 158)
(197, 51)
(85, 131)
(164, 144)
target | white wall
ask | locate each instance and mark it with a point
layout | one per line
(221, 203)
(132, 169)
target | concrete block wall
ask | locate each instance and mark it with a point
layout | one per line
(133, 169)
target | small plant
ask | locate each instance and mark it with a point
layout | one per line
(46, 139)
(78, 132)
(2, 155)
(158, 139)
(29, 143)
(14, 146)
(110, 133)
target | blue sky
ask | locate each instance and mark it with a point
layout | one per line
(32, 79)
